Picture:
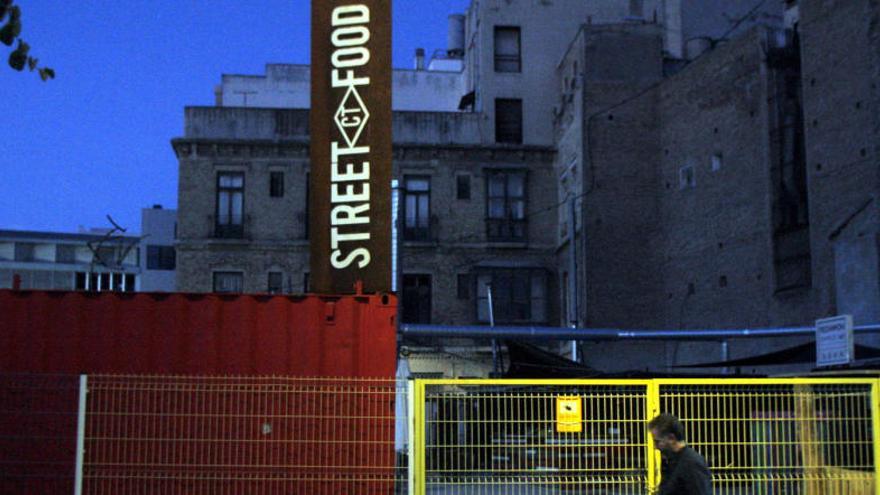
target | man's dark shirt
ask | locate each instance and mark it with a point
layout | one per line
(685, 473)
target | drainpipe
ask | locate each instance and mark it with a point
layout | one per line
(724, 355)
(572, 277)
(496, 368)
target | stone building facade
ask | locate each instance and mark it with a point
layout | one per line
(448, 253)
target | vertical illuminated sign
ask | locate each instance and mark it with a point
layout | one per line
(350, 127)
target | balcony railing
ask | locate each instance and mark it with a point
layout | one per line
(229, 227)
(506, 230)
(429, 233)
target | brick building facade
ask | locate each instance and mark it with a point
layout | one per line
(726, 179)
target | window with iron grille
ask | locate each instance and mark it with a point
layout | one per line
(508, 121)
(161, 257)
(417, 208)
(519, 295)
(507, 49)
(463, 286)
(416, 298)
(228, 281)
(276, 184)
(275, 283)
(462, 186)
(506, 206)
(230, 205)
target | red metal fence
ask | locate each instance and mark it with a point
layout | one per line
(183, 435)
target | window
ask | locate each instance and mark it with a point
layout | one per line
(686, 177)
(24, 251)
(161, 257)
(464, 286)
(275, 282)
(228, 281)
(507, 49)
(717, 159)
(506, 206)
(65, 253)
(417, 208)
(416, 299)
(463, 187)
(230, 205)
(105, 281)
(508, 121)
(636, 8)
(276, 184)
(518, 295)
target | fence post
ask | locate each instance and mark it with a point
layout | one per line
(418, 438)
(410, 440)
(875, 432)
(80, 435)
(653, 409)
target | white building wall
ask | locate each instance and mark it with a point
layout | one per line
(289, 86)
(158, 228)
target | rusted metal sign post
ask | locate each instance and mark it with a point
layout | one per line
(350, 127)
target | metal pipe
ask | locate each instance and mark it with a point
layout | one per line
(557, 333)
(496, 367)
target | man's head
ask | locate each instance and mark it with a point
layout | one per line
(667, 432)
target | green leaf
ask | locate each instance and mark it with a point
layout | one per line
(4, 8)
(32, 63)
(46, 74)
(6, 35)
(19, 57)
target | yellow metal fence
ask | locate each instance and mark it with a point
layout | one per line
(759, 436)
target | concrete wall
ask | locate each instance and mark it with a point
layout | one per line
(269, 124)
(289, 86)
(158, 228)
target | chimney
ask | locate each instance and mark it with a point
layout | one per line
(455, 36)
(420, 59)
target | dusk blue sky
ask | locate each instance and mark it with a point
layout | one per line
(96, 140)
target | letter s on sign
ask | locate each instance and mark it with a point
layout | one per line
(364, 253)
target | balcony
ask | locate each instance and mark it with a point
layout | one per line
(506, 230)
(235, 227)
(423, 234)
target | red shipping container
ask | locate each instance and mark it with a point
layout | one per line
(48, 337)
(197, 334)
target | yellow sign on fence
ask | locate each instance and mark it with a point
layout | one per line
(569, 415)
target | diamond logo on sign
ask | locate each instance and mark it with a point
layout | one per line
(351, 116)
(569, 415)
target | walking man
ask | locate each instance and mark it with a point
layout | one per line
(684, 471)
